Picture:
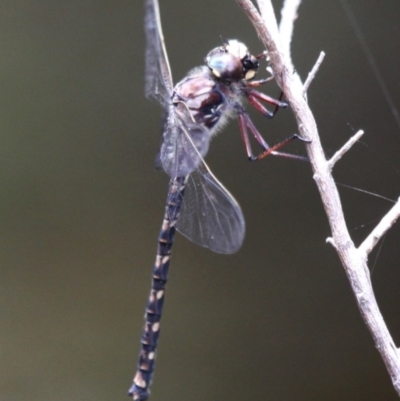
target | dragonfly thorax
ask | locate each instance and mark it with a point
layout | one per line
(202, 98)
(232, 62)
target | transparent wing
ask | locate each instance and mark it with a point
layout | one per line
(210, 216)
(158, 81)
(185, 143)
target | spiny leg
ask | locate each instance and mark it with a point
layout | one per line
(255, 98)
(245, 123)
(273, 149)
(259, 82)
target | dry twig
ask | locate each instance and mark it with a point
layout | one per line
(345, 148)
(313, 72)
(354, 260)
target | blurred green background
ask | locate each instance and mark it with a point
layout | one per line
(81, 207)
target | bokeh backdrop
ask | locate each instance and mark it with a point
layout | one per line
(81, 206)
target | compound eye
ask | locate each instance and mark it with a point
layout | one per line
(225, 66)
(250, 67)
(248, 64)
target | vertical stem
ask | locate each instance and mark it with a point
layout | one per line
(353, 261)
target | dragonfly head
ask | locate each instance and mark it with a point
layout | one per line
(232, 62)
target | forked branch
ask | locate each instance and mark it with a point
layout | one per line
(345, 148)
(313, 72)
(354, 260)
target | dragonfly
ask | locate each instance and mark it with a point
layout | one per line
(198, 205)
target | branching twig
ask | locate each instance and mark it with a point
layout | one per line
(379, 231)
(313, 72)
(345, 148)
(288, 17)
(354, 261)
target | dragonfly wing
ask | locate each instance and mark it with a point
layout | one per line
(185, 143)
(210, 215)
(158, 81)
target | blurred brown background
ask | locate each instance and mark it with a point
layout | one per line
(81, 207)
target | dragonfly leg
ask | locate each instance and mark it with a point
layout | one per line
(273, 149)
(255, 98)
(246, 123)
(259, 82)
